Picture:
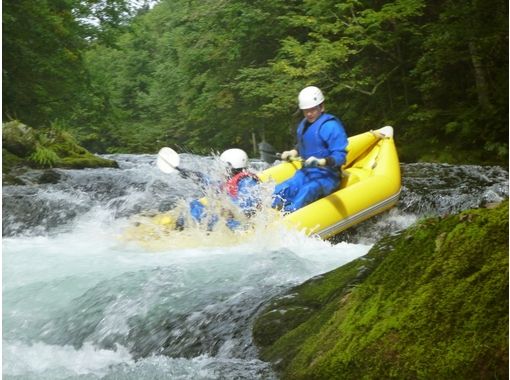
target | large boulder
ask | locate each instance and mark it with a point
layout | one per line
(428, 303)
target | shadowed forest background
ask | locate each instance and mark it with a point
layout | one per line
(204, 75)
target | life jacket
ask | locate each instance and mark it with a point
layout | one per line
(310, 142)
(232, 185)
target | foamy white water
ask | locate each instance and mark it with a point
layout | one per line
(82, 303)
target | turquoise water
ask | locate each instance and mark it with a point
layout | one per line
(81, 305)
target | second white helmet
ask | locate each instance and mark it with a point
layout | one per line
(237, 158)
(310, 97)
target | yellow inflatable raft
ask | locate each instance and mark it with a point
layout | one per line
(370, 185)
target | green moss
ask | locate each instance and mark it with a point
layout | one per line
(432, 302)
(19, 139)
(10, 160)
(44, 148)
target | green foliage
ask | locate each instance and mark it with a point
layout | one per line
(44, 148)
(460, 79)
(192, 85)
(44, 157)
(429, 303)
(43, 42)
(42, 68)
(207, 75)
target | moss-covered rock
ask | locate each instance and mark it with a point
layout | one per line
(429, 303)
(45, 148)
(18, 139)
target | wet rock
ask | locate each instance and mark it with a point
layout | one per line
(432, 306)
(49, 176)
(18, 138)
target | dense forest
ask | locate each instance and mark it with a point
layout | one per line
(204, 75)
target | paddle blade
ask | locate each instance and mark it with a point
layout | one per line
(168, 160)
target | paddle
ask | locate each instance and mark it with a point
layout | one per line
(265, 154)
(266, 151)
(290, 159)
(168, 162)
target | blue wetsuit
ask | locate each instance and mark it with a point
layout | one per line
(324, 138)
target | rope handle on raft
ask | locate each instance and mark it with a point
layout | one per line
(385, 132)
(378, 134)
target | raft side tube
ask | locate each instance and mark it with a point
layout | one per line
(372, 186)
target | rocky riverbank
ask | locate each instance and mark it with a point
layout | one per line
(430, 303)
(25, 148)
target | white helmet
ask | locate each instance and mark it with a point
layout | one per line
(310, 97)
(237, 158)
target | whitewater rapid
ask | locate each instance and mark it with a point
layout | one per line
(79, 302)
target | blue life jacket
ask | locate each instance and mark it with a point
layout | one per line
(310, 142)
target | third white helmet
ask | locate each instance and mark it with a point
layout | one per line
(237, 158)
(310, 97)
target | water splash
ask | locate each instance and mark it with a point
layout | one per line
(81, 293)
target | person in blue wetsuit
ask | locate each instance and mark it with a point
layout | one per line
(322, 144)
(240, 186)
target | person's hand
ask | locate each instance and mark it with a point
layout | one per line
(314, 161)
(289, 155)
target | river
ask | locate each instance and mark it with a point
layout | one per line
(79, 302)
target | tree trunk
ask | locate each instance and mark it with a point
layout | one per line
(482, 87)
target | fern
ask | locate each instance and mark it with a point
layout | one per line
(44, 157)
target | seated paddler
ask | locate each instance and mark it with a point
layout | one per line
(240, 187)
(322, 145)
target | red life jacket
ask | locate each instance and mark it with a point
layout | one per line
(232, 185)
